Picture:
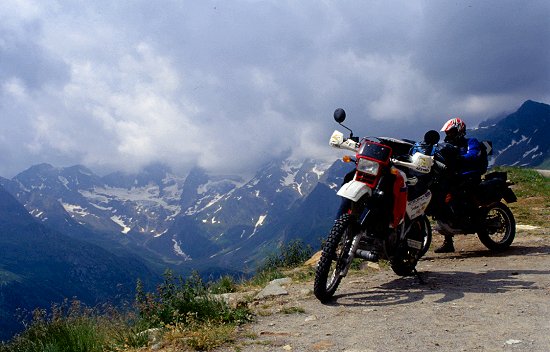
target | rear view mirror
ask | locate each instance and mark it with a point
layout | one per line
(431, 137)
(339, 115)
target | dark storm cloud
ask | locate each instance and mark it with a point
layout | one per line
(486, 47)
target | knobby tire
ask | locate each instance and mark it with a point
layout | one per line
(325, 286)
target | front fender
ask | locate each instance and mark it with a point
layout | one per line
(354, 190)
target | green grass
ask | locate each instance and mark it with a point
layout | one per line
(72, 327)
(533, 192)
(225, 284)
(288, 255)
(545, 165)
(529, 183)
(293, 310)
(185, 312)
(182, 309)
(179, 301)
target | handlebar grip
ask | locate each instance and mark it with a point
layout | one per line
(440, 165)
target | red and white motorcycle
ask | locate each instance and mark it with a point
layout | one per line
(384, 208)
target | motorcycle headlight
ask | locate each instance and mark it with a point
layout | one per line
(368, 166)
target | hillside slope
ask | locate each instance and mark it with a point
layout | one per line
(39, 266)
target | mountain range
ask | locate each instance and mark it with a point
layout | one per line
(104, 232)
(198, 221)
(521, 138)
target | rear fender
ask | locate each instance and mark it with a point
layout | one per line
(509, 196)
(494, 189)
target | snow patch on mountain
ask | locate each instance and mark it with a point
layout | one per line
(101, 207)
(63, 181)
(289, 180)
(180, 252)
(211, 221)
(291, 168)
(320, 169)
(513, 143)
(531, 151)
(198, 207)
(37, 214)
(147, 196)
(75, 210)
(259, 223)
(119, 221)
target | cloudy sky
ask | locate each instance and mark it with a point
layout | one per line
(116, 85)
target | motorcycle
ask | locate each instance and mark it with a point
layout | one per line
(385, 212)
(475, 208)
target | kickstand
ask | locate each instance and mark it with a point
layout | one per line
(417, 274)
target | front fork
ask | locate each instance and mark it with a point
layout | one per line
(351, 253)
(363, 213)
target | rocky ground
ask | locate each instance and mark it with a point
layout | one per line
(471, 300)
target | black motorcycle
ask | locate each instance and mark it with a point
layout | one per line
(471, 208)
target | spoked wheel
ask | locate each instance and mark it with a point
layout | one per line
(334, 259)
(416, 244)
(426, 231)
(498, 229)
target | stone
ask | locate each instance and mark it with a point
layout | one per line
(314, 259)
(271, 290)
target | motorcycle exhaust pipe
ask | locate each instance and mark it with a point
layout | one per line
(367, 255)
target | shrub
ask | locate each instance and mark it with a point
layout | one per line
(178, 307)
(70, 327)
(178, 301)
(289, 255)
(225, 284)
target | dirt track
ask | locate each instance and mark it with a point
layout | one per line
(471, 300)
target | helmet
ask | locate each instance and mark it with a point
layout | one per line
(455, 124)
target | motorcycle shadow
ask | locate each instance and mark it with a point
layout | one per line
(515, 250)
(443, 286)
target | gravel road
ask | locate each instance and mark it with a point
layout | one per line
(471, 300)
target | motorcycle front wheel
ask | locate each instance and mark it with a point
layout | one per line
(498, 227)
(334, 259)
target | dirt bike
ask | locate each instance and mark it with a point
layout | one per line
(474, 208)
(382, 220)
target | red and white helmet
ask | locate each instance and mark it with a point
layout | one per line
(457, 124)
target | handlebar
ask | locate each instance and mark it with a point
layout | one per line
(418, 162)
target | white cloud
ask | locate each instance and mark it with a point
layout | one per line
(117, 85)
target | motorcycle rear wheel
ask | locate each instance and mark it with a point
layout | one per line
(404, 262)
(498, 228)
(427, 237)
(402, 267)
(334, 259)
